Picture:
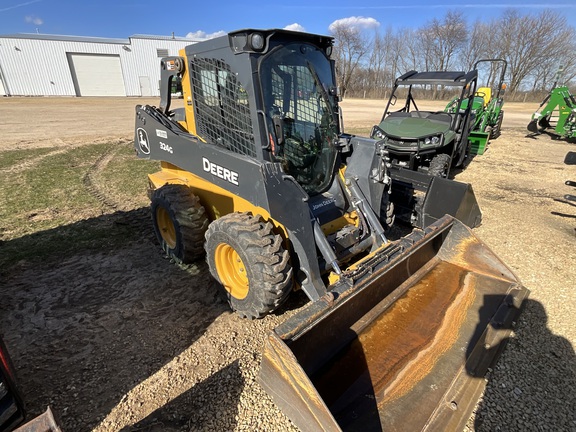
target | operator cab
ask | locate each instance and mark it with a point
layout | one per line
(300, 104)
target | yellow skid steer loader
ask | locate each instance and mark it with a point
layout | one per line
(257, 175)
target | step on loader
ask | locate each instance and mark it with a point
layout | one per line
(257, 175)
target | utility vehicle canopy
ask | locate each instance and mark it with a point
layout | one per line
(452, 78)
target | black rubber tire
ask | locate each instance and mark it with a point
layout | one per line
(497, 129)
(439, 165)
(387, 215)
(183, 208)
(265, 261)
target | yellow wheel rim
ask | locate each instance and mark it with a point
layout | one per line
(166, 226)
(231, 271)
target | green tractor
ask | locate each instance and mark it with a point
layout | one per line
(556, 115)
(486, 108)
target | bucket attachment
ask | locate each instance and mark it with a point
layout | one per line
(450, 197)
(478, 141)
(533, 127)
(420, 199)
(401, 342)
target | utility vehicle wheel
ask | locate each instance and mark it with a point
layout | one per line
(439, 165)
(250, 263)
(179, 222)
(497, 129)
(387, 211)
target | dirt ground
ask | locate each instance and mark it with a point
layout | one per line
(124, 340)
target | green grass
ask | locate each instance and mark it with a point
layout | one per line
(10, 158)
(48, 212)
(133, 173)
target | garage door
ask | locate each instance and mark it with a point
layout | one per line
(96, 75)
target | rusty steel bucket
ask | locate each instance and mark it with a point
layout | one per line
(402, 342)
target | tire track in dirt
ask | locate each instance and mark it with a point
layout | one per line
(90, 179)
(139, 218)
(30, 163)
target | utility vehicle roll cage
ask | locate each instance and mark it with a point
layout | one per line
(466, 80)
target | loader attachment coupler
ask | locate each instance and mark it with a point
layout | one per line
(402, 342)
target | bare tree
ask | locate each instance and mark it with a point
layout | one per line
(528, 42)
(383, 63)
(478, 45)
(533, 44)
(408, 50)
(350, 48)
(443, 40)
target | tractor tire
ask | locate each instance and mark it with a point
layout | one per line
(387, 215)
(249, 262)
(497, 129)
(180, 222)
(439, 165)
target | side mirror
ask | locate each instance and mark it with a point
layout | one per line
(393, 100)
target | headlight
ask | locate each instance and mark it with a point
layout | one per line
(257, 41)
(430, 141)
(377, 133)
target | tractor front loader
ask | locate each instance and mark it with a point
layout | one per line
(487, 108)
(556, 115)
(257, 175)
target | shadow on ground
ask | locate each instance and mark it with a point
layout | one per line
(532, 385)
(206, 398)
(87, 324)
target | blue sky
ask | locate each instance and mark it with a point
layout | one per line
(123, 18)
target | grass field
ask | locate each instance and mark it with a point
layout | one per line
(48, 188)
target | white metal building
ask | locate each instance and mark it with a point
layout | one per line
(52, 65)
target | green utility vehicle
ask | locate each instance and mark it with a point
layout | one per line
(486, 107)
(556, 115)
(428, 141)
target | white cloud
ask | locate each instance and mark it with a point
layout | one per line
(359, 23)
(34, 20)
(203, 35)
(295, 27)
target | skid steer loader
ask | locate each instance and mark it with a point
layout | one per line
(256, 174)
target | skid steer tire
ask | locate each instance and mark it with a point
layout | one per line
(387, 216)
(249, 262)
(180, 222)
(496, 131)
(439, 165)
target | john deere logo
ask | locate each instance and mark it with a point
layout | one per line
(143, 142)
